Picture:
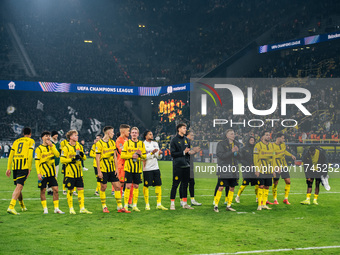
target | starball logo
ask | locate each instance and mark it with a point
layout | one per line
(288, 96)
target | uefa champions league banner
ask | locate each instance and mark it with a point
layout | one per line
(92, 89)
(299, 42)
(304, 111)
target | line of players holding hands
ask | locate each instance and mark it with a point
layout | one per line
(123, 162)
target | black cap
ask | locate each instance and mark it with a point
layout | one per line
(54, 133)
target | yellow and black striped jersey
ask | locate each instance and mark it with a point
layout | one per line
(45, 161)
(280, 151)
(107, 152)
(63, 143)
(93, 155)
(263, 157)
(21, 154)
(73, 168)
(315, 160)
(130, 147)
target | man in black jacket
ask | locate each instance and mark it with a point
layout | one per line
(180, 152)
(248, 173)
(315, 167)
(227, 152)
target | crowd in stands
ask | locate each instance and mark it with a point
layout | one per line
(141, 42)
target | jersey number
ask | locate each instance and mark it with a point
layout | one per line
(20, 148)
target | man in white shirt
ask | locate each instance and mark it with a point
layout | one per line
(151, 173)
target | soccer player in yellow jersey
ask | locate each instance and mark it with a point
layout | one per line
(71, 156)
(62, 145)
(106, 159)
(46, 170)
(280, 166)
(133, 152)
(21, 157)
(93, 155)
(263, 161)
(315, 167)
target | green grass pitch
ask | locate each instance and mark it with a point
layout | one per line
(169, 232)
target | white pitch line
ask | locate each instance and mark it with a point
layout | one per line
(111, 197)
(276, 250)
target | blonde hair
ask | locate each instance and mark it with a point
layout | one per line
(135, 128)
(70, 133)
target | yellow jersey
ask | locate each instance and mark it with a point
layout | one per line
(130, 147)
(45, 161)
(263, 157)
(21, 154)
(73, 168)
(107, 155)
(93, 155)
(280, 151)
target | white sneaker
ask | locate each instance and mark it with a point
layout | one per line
(325, 183)
(75, 193)
(229, 208)
(172, 207)
(85, 169)
(45, 211)
(216, 209)
(64, 192)
(186, 206)
(237, 199)
(57, 210)
(194, 202)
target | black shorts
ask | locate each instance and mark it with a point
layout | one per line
(135, 178)
(227, 182)
(70, 183)
(63, 169)
(95, 171)
(152, 178)
(282, 175)
(252, 181)
(20, 176)
(265, 179)
(51, 181)
(108, 177)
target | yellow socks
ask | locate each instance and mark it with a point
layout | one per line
(70, 198)
(126, 196)
(118, 197)
(274, 192)
(241, 190)
(81, 199)
(56, 204)
(98, 187)
(230, 197)
(135, 196)
(44, 204)
(287, 189)
(308, 196)
(265, 196)
(226, 198)
(21, 203)
(260, 196)
(316, 197)
(12, 204)
(158, 191)
(218, 197)
(102, 198)
(146, 195)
